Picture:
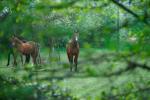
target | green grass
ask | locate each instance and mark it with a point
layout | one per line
(90, 83)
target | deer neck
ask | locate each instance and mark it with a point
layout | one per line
(18, 43)
(74, 43)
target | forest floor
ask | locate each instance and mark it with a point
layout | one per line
(100, 72)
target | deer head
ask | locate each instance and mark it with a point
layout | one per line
(75, 36)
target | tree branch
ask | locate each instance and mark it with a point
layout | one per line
(128, 10)
(125, 8)
(131, 66)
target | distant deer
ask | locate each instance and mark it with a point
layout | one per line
(12, 51)
(72, 48)
(27, 48)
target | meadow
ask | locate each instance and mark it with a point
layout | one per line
(112, 38)
(101, 75)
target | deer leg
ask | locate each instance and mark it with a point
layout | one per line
(34, 59)
(39, 58)
(27, 58)
(70, 58)
(76, 62)
(71, 62)
(15, 57)
(35, 56)
(21, 58)
(8, 58)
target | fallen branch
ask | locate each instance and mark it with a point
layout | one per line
(131, 66)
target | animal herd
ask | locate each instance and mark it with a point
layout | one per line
(21, 47)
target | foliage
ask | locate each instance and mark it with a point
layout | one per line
(114, 49)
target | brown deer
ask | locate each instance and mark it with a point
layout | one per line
(27, 48)
(72, 48)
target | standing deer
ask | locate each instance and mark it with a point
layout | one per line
(12, 51)
(72, 48)
(28, 48)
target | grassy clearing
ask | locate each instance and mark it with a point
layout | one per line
(90, 82)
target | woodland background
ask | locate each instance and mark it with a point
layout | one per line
(114, 38)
